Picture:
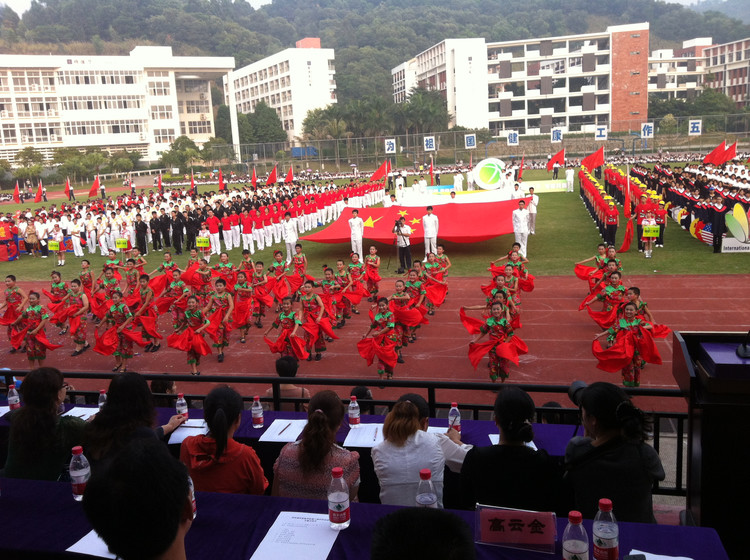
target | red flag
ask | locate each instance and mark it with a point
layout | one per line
(388, 167)
(17, 195)
(728, 155)
(272, 177)
(254, 179)
(594, 160)
(38, 197)
(289, 176)
(221, 180)
(161, 187)
(67, 187)
(94, 187)
(520, 169)
(192, 181)
(432, 173)
(716, 153)
(559, 157)
(379, 173)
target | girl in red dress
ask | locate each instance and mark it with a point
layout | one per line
(383, 341)
(287, 343)
(243, 300)
(119, 316)
(218, 310)
(372, 273)
(442, 259)
(344, 282)
(78, 303)
(86, 278)
(315, 321)
(146, 316)
(15, 302)
(261, 297)
(502, 348)
(34, 318)
(189, 335)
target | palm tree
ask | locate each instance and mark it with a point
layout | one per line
(336, 130)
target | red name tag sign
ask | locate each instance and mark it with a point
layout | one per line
(516, 528)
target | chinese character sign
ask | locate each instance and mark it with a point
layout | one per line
(429, 143)
(695, 127)
(556, 135)
(647, 130)
(390, 145)
(600, 134)
(513, 139)
(470, 141)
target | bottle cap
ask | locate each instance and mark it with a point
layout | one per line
(425, 474)
(256, 398)
(575, 517)
(454, 404)
(337, 472)
(605, 504)
(353, 398)
(102, 391)
(12, 386)
(180, 395)
(77, 450)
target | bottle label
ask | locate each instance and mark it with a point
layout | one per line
(354, 419)
(606, 549)
(575, 550)
(14, 405)
(338, 512)
(258, 420)
(79, 488)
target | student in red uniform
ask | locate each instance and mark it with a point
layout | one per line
(611, 222)
(660, 215)
(226, 231)
(234, 220)
(213, 224)
(246, 222)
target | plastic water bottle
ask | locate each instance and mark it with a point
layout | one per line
(353, 412)
(338, 500)
(426, 495)
(257, 411)
(103, 398)
(80, 472)
(181, 405)
(14, 401)
(454, 417)
(606, 533)
(575, 541)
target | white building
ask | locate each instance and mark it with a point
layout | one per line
(293, 82)
(678, 73)
(140, 102)
(728, 70)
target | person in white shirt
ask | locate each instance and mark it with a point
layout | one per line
(469, 180)
(458, 181)
(533, 203)
(407, 449)
(289, 233)
(569, 179)
(521, 226)
(517, 192)
(430, 224)
(76, 227)
(357, 229)
(42, 231)
(402, 232)
(390, 201)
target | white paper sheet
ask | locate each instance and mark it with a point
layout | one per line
(194, 423)
(4, 410)
(367, 435)
(495, 439)
(437, 429)
(283, 430)
(93, 545)
(80, 412)
(651, 556)
(179, 435)
(297, 535)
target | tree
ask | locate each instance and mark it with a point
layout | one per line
(181, 154)
(336, 130)
(217, 150)
(122, 165)
(133, 156)
(4, 165)
(245, 129)
(267, 124)
(222, 122)
(668, 124)
(94, 161)
(28, 157)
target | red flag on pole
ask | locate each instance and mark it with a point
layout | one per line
(272, 177)
(717, 152)
(592, 161)
(379, 173)
(254, 179)
(432, 172)
(161, 187)
(192, 181)
(728, 155)
(388, 167)
(94, 187)
(559, 157)
(67, 187)
(520, 169)
(221, 180)
(17, 195)
(289, 176)
(38, 197)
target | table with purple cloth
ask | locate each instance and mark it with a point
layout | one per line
(41, 519)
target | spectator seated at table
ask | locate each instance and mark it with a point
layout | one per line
(406, 449)
(303, 469)
(216, 462)
(613, 459)
(512, 474)
(364, 398)
(40, 441)
(128, 414)
(140, 502)
(166, 387)
(286, 367)
(422, 533)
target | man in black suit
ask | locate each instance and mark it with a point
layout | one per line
(178, 223)
(141, 231)
(192, 226)
(155, 231)
(164, 224)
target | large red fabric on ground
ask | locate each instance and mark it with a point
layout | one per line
(459, 223)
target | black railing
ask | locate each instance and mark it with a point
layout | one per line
(664, 421)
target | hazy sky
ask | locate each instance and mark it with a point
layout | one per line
(20, 6)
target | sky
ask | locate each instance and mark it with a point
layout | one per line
(20, 6)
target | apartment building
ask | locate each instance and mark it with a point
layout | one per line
(678, 73)
(728, 70)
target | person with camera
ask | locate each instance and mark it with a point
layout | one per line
(401, 233)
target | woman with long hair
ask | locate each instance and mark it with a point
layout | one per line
(40, 441)
(303, 469)
(612, 459)
(215, 461)
(127, 414)
(407, 448)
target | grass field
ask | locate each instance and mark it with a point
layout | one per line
(565, 234)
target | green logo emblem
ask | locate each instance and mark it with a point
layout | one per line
(488, 173)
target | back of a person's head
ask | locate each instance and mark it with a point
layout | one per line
(222, 407)
(405, 418)
(32, 428)
(286, 366)
(163, 386)
(137, 501)
(364, 398)
(514, 412)
(613, 410)
(422, 534)
(129, 405)
(324, 416)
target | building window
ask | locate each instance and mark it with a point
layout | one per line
(635, 52)
(161, 112)
(199, 127)
(163, 136)
(158, 88)
(635, 35)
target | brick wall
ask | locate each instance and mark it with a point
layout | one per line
(629, 55)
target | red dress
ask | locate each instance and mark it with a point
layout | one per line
(503, 347)
(286, 344)
(382, 346)
(315, 332)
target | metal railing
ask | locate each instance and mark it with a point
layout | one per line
(675, 421)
